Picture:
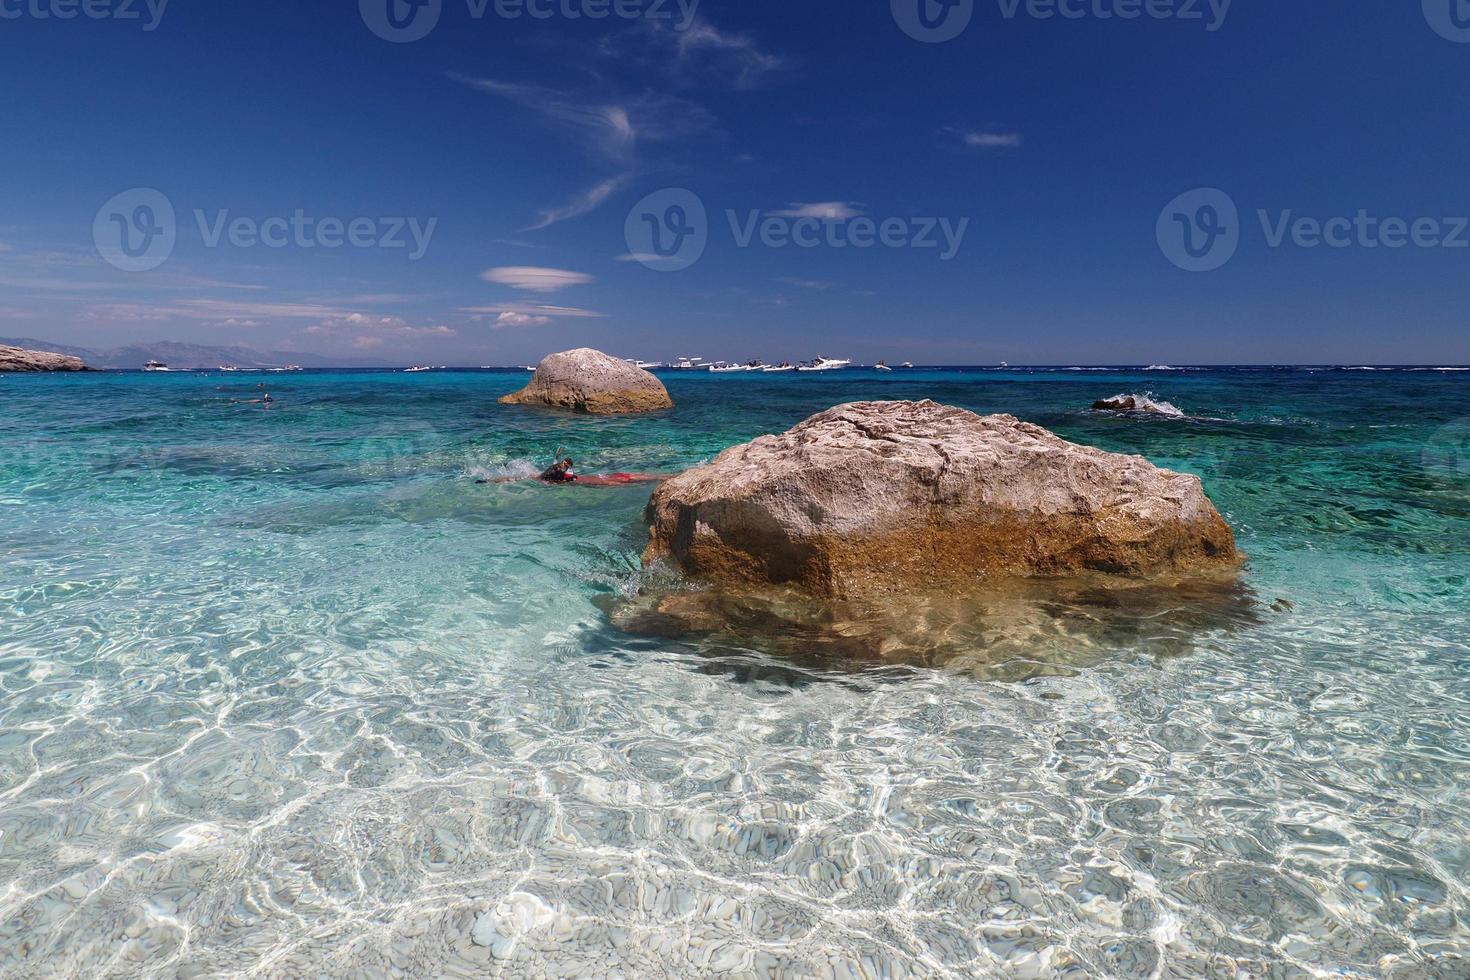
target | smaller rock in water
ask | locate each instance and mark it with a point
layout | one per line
(1145, 404)
(594, 383)
(20, 359)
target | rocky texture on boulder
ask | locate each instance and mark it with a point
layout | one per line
(20, 359)
(877, 498)
(590, 381)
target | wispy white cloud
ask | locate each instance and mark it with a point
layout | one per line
(695, 53)
(496, 310)
(584, 203)
(367, 332)
(823, 210)
(535, 279)
(734, 56)
(986, 139)
(225, 312)
(809, 283)
(610, 129)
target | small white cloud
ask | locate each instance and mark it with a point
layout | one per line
(534, 278)
(823, 210)
(510, 319)
(986, 139)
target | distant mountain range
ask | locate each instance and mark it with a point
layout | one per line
(190, 356)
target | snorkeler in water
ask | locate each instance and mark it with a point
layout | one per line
(564, 472)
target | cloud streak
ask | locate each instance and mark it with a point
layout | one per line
(535, 279)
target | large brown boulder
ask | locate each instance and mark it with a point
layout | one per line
(20, 359)
(590, 381)
(875, 498)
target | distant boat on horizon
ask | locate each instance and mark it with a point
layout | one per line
(155, 366)
(882, 366)
(417, 369)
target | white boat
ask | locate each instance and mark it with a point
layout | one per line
(287, 368)
(721, 367)
(645, 365)
(417, 369)
(229, 368)
(689, 364)
(882, 366)
(781, 368)
(908, 364)
(825, 364)
(155, 366)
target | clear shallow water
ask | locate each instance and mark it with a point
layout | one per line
(288, 693)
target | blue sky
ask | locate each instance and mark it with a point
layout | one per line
(519, 147)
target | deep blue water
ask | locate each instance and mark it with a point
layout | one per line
(286, 689)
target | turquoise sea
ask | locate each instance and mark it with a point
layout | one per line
(287, 692)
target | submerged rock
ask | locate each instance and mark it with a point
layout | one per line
(1010, 630)
(882, 498)
(592, 382)
(20, 359)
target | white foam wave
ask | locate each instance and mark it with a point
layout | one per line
(1147, 403)
(515, 469)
